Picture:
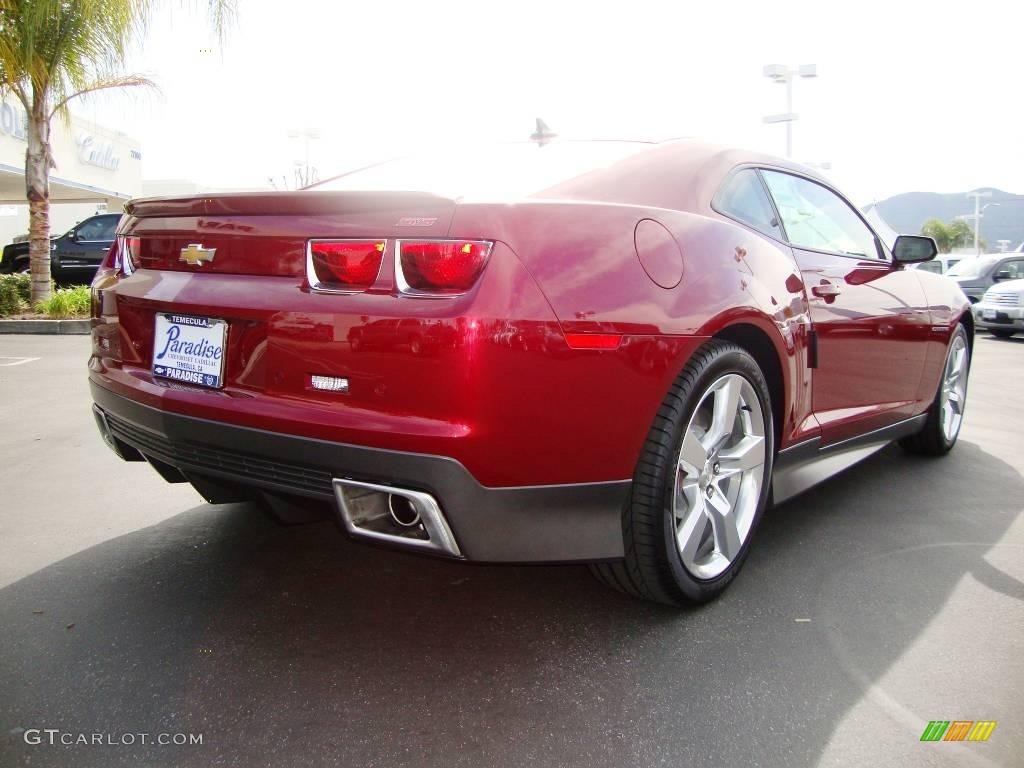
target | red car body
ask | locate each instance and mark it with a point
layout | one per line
(521, 405)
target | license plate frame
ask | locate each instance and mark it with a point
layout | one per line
(189, 349)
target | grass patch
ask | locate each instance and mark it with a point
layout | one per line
(66, 303)
(14, 294)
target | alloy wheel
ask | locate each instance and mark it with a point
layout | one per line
(954, 388)
(719, 476)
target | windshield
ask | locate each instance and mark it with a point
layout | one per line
(971, 268)
(500, 170)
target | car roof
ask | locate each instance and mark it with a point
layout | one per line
(678, 174)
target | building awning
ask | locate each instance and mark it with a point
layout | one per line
(12, 189)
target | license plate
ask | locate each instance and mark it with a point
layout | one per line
(189, 349)
(988, 314)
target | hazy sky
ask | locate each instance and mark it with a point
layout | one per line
(910, 95)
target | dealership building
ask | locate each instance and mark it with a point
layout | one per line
(98, 169)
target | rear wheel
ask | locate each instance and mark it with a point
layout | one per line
(701, 484)
(946, 414)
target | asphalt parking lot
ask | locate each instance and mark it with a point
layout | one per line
(889, 597)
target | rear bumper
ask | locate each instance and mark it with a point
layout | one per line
(549, 523)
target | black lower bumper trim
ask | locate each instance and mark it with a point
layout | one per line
(551, 523)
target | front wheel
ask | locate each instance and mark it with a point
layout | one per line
(701, 484)
(946, 413)
(1000, 333)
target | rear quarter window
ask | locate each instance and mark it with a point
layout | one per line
(743, 198)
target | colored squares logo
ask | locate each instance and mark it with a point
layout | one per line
(958, 730)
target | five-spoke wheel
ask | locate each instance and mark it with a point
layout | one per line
(701, 484)
(719, 476)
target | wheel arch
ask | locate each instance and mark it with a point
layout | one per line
(759, 345)
(966, 319)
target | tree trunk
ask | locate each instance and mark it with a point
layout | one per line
(38, 161)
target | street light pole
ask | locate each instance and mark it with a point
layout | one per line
(977, 195)
(780, 73)
(789, 123)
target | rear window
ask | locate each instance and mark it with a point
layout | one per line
(502, 170)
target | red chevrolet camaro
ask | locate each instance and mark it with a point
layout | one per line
(607, 352)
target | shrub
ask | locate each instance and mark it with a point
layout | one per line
(14, 294)
(66, 302)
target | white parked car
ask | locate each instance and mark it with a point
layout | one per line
(1001, 309)
(941, 264)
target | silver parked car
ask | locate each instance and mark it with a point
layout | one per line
(1001, 309)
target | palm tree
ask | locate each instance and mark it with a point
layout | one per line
(54, 51)
(955, 234)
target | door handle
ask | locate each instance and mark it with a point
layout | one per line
(826, 291)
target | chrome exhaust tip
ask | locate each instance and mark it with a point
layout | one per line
(403, 511)
(397, 516)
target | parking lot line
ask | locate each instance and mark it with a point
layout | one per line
(16, 361)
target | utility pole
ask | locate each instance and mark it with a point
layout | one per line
(978, 210)
(780, 73)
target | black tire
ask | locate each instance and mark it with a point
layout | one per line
(932, 439)
(653, 569)
(1000, 333)
(22, 267)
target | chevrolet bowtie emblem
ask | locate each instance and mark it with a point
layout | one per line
(194, 254)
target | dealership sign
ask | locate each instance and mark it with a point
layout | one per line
(102, 154)
(13, 121)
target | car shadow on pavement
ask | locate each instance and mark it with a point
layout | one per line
(293, 646)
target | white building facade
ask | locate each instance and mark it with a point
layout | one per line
(98, 169)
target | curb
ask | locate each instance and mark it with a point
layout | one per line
(48, 327)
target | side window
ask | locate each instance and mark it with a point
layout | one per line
(96, 229)
(1015, 267)
(743, 197)
(109, 226)
(817, 218)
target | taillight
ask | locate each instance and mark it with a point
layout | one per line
(441, 267)
(347, 265)
(130, 253)
(106, 277)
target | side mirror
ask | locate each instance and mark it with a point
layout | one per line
(73, 235)
(1002, 274)
(911, 249)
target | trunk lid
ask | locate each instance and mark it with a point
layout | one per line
(265, 233)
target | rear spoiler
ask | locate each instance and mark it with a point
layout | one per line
(298, 203)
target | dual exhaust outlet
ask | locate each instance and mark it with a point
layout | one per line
(397, 516)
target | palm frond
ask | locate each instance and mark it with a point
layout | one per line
(123, 81)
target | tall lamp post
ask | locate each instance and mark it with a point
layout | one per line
(979, 211)
(780, 73)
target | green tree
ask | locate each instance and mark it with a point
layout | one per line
(939, 232)
(947, 236)
(960, 234)
(54, 51)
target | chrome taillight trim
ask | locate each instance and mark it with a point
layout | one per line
(316, 285)
(404, 289)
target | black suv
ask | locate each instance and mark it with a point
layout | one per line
(74, 256)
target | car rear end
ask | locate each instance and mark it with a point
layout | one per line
(365, 350)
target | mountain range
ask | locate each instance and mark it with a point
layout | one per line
(906, 213)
